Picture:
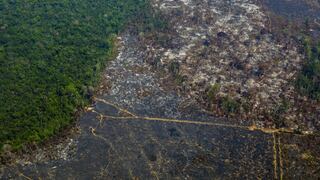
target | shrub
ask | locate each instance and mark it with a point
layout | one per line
(229, 105)
(213, 91)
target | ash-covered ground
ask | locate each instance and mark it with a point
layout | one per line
(225, 56)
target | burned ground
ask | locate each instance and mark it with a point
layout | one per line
(228, 56)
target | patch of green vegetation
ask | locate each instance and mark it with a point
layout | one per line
(179, 79)
(308, 81)
(51, 55)
(174, 68)
(230, 106)
(213, 91)
(227, 104)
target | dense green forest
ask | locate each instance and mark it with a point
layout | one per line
(51, 54)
